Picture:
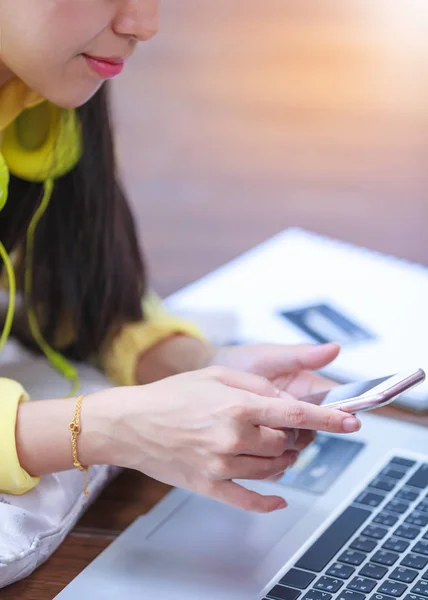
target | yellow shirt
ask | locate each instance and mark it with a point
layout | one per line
(117, 357)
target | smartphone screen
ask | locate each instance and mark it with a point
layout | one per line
(344, 392)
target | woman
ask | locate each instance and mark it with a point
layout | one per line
(213, 416)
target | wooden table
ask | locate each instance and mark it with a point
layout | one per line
(244, 118)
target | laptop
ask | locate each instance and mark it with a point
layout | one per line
(356, 528)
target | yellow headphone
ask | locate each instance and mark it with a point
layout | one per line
(4, 182)
(41, 145)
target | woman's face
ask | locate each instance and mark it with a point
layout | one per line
(65, 49)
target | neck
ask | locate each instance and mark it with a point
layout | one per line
(5, 74)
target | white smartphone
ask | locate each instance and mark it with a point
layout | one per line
(362, 396)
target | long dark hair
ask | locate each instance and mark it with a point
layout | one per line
(87, 266)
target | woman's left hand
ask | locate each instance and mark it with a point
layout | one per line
(289, 368)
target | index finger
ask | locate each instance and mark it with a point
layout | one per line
(286, 411)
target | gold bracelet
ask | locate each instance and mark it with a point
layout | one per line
(75, 430)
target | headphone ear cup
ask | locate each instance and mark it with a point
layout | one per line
(4, 182)
(58, 153)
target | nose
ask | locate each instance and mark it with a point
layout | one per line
(137, 19)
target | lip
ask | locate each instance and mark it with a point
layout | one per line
(106, 68)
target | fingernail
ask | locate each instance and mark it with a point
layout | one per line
(281, 505)
(351, 424)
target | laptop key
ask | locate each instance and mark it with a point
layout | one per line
(317, 595)
(374, 531)
(397, 506)
(382, 557)
(418, 518)
(403, 575)
(386, 519)
(327, 584)
(414, 561)
(383, 483)
(352, 557)
(380, 597)
(423, 506)
(426, 536)
(298, 579)
(392, 588)
(280, 592)
(421, 588)
(362, 584)
(363, 544)
(407, 494)
(396, 545)
(425, 575)
(413, 597)
(420, 478)
(370, 499)
(421, 548)
(350, 595)
(404, 462)
(373, 571)
(394, 472)
(333, 539)
(340, 571)
(409, 532)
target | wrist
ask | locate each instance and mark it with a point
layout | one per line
(43, 437)
(177, 354)
(109, 435)
(98, 442)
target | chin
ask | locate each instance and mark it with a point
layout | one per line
(73, 96)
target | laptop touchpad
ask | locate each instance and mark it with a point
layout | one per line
(202, 529)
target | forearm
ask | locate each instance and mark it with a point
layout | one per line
(43, 438)
(177, 354)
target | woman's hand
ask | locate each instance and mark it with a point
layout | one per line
(289, 368)
(202, 430)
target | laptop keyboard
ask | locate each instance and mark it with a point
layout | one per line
(377, 549)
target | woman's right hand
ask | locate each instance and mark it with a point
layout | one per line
(201, 430)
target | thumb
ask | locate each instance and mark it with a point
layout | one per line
(307, 356)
